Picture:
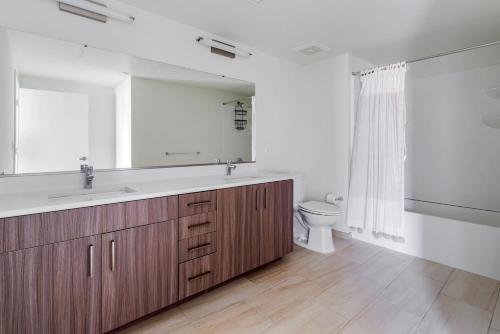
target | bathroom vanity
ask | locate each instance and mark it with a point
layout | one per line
(92, 260)
(94, 268)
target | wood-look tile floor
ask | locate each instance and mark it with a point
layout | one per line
(360, 288)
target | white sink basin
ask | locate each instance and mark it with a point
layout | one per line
(237, 178)
(90, 194)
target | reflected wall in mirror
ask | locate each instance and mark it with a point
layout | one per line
(63, 104)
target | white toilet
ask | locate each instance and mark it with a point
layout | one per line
(319, 217)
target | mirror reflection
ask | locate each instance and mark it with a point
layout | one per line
(64, 104)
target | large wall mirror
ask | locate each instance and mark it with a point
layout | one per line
(63, 103)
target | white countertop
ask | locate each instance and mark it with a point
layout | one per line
(37, 202)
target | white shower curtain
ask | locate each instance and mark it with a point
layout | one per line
(376, 197)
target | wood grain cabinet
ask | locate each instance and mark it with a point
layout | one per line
(26, 291)
(196, 203)
(139, 272)
(51, 289)
(197, 275)
(238, 230)
(92, 270)
(77, 286)
(256, 226)
(276, 221)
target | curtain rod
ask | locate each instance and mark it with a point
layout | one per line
(442, 54)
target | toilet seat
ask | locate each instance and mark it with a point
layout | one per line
(321, 208)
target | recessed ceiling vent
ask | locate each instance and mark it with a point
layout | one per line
(312, 48)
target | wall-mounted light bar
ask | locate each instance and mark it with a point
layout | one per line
(222, 48)
(93, 10)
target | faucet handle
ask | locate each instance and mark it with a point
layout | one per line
(84, 158)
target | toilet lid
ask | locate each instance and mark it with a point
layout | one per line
(321, 208)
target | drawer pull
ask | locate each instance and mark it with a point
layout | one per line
(198, 203)
(91, 261)
(199, 246)
(198, 225)
(113, 255)
(199, 275)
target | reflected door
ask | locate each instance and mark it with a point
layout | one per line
(52, 131)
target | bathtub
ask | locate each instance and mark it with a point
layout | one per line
(485, 217)
(458, 237)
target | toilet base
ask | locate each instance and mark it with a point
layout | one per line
(320, 240)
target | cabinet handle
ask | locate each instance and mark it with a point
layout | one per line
(113, 255)
(265, 198)
(198, 203)
(257, 199)
(199, 275)
(199, 246)
(198, 225)
(91, 261)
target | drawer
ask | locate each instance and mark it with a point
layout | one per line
(198, 246)
(45, 228)
(196, 203)
(50, 227)
(197, 275)
(202, 223)
(119, 216)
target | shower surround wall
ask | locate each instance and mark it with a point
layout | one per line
(453, 157)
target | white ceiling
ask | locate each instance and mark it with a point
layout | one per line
(377, 30)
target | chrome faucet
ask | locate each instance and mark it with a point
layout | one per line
(89, 173)
(229, 167)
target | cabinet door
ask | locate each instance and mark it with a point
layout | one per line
(251, 226)
(284, 211)
(276, 221)
(139, 272)
(26, 291)
(77, 282)
(230, 219)
(270, 240)
(238, 232)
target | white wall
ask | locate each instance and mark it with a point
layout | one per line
(7, 105)
(176, 118)
(328, 105)
(123, 126)
(326, 108)
(453, 157)
(278, 81)
(101, 123)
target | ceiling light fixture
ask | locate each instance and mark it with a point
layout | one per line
(93, 10)
(222, 48)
